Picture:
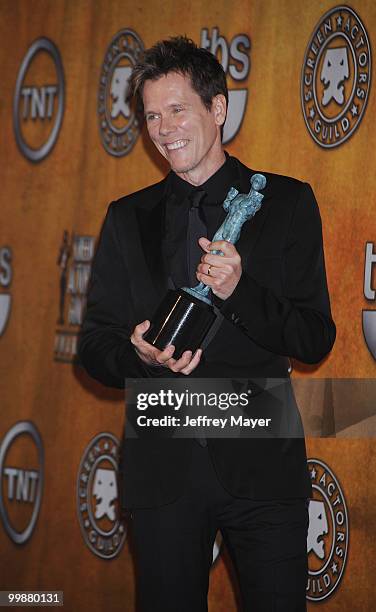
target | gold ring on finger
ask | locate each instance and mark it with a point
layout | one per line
(209, 266)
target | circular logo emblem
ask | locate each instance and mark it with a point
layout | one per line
(21, 471)
(98, 503)
(119, 125)
(369, 329)
(336, 77)
(5, 281)
(328, 532)
(38, 105)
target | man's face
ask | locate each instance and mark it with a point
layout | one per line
(181, 127)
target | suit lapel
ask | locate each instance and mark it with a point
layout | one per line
(148, 278)
(175, 241)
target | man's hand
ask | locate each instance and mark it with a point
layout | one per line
(220, 273)
(151, 355)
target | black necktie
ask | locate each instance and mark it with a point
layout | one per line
(196, 229)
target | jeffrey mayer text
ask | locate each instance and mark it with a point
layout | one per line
(202, 421)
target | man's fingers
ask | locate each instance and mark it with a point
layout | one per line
(149, 353)
(193, 362)
(164, 356)
(139, 330)
(216, 260)
(204, 244)
(186, 363)
(176, 365)
(226, 247)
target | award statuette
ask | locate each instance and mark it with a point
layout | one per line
(185, 315)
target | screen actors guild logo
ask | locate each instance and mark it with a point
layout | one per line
(336, 77)
(119, 91)
(328, 532)
(119, 124)
(369, 316)
(334, 72)
(74, 281)
(5, 281)
(236, 63)
(21, 487)
(98, 499)
(38, 105)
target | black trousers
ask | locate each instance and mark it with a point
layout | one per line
(267, 542)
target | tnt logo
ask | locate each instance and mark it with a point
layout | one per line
(39, 100)
(234, 57)
(21, 473)
(369, 316)
(22, 484)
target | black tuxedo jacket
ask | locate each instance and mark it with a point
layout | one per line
(279, 309)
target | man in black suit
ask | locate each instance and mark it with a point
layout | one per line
(271, 294)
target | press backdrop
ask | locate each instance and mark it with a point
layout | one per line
(302, 104)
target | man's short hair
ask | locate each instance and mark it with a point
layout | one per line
(181, 55)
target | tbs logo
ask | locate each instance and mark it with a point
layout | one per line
(369, 316)
(234, 57)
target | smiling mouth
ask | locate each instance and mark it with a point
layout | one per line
(179, 144)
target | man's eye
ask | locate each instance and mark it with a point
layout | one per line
(177, 110)
(150, 117)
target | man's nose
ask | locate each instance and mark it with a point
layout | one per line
(166, 125)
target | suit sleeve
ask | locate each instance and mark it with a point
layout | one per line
(104, 347)
(298, 323)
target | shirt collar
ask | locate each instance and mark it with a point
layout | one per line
(216, 186)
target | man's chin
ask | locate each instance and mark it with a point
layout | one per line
(180, 167)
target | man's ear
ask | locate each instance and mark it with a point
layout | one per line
(219, 107)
